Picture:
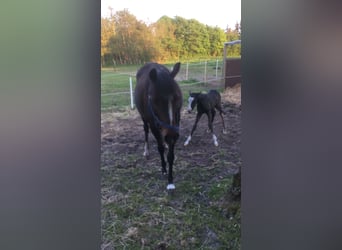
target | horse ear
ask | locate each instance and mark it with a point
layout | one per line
(175, 70)
(153, 75)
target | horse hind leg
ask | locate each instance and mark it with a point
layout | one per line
(224, 131)
(213, 112)
(146, 146)
(219, 108)
(210, 125)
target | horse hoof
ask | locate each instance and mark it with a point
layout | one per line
(224, 131)
(216, 143)
(170, 187)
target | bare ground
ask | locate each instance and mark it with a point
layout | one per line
(137, 211)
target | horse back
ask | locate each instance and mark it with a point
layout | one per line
(209, 101)
(214, 96)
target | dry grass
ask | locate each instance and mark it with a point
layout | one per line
(138, 212)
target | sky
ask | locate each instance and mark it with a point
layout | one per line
(213, 12)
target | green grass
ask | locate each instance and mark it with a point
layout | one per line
(143, 216)
(138, 213)
(113, 84)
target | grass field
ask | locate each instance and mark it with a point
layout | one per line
(138, 213)
(195, 217)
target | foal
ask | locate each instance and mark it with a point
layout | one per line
(158, 99)
(206, 103)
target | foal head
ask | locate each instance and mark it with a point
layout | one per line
(192, 101)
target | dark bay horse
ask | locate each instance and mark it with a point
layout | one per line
(206, 104)
(159, 100)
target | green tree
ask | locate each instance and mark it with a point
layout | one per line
(132, 42)
(232, 35)
(107, 32)
(165, 40)
(199, 43)
(217, 38)
(193, 38)
(125, 40)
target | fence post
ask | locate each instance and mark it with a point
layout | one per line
(131, 91)
(216, 67)
(205, 72)
(187, 71)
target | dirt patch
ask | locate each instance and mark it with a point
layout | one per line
(138, 212)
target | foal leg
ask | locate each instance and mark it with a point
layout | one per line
(219, 108)
(213, 112)
(210, 125)
(198, 116)
(224, 131)
(146, 146)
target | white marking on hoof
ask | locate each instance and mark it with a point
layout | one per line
(146, 153)
(224, 131)
(187, 141)
(170, 186)
(215, 140)
(208, 130)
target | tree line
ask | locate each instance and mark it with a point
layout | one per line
(126, 40)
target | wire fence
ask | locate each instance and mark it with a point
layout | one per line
(117, 87)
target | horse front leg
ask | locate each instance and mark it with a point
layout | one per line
(198, 116)
(170, 159)
(161, 147)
